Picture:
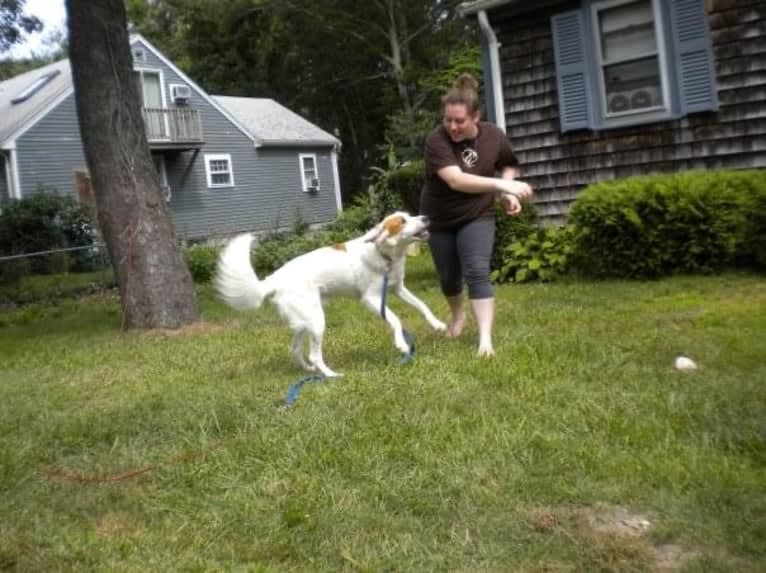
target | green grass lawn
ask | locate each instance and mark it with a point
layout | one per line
(578, 448)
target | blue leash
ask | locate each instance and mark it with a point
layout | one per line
(295, 388)
(409, 338)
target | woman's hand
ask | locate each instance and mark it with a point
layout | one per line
(511, 192)
(511, 204)
(519, 189)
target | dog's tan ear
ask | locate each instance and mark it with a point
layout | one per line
(389, 227)
(394, 225)
(373, 233)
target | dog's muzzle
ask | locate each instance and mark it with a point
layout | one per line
(423, 234)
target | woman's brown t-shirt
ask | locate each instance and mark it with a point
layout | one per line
(485, 155)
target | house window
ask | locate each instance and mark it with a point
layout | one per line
(309, 172)
(149, 88)
(151, 96)
(139, 55)
(218, 170)
(626, 62)
(629, 57)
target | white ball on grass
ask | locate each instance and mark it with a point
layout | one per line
(684, 363)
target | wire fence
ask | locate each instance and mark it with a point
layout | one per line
(54, 273)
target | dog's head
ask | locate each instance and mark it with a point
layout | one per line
(399, 230)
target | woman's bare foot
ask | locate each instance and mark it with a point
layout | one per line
(485, 351)
(455, 327)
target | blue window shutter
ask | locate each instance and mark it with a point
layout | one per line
(570, 53)
(694, 56)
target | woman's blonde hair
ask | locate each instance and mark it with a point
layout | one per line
(465, 90)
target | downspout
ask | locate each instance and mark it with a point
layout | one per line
(336, 177)
(494, 68)
(12, 171)
(7, 169)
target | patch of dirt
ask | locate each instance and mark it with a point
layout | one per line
(616, 521)
(612, 526)
(671, 557)
(116, 525)
(196, 328)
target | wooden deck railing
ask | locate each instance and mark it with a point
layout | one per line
(173, 125)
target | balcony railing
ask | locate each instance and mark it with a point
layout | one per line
(173, 126)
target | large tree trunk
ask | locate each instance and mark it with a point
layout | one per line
(156, 288)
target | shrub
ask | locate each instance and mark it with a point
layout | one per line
(276, 249)
(651, 226)
(47, 221)
(406, 183)
(510, 230)
(12, 271)
(201, 260)
(354, 220)
(541, 255)
(753, 252)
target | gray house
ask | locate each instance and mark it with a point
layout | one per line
(593, 90)
(227, 164)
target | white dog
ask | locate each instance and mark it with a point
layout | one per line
(355, 268)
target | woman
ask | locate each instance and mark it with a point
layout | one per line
(468, 164)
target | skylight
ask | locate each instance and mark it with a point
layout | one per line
(35, 86)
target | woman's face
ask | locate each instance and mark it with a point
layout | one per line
(459, 123)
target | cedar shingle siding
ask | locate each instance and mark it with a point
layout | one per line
(559, 164)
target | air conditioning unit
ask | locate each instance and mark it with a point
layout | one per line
(180, 93)
(645, 97)
(629, 100)
(312, 184)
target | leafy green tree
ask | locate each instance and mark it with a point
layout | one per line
(13, 22)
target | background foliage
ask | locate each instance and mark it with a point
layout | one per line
(690, 222)
(370, 72)
(46, 221)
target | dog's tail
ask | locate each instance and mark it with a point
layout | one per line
(235, 280)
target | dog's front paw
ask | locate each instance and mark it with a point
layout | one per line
(438, 325)
(402, 346)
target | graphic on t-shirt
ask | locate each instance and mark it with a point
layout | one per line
(469, 157)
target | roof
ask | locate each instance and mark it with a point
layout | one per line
(263, 120)
(14, 116)
(270, 123)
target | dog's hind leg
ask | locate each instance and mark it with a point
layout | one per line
(315, 352)
(306, 316)
(297, 349)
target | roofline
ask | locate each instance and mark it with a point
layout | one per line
(299, 143)
(467, 8)
(27, 124)
(135, 37)
(330, 141)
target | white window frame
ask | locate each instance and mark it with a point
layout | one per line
(164, 104)
(628, 116)
(209, 174)
(304, 178)
(158, 71)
